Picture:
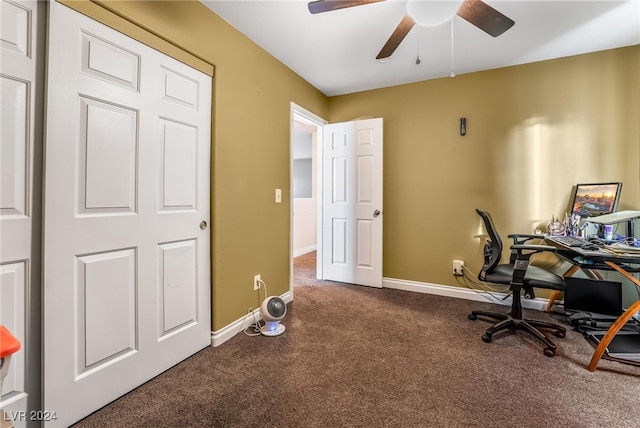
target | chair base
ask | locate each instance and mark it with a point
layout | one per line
(528, 325)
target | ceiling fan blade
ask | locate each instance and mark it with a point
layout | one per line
(320, 6)
(485, 17)
(396, 37)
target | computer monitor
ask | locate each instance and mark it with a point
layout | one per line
(594, 199)
(589, 295)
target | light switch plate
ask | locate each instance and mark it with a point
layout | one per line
(278, 196)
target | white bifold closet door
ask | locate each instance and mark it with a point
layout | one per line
(20, 147)
(126, 212)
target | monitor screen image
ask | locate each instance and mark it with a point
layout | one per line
(592, 200)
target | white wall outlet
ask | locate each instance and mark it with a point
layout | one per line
(256, 282)
(458, 267)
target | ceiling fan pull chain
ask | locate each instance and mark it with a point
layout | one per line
(452, 73)
(418, 45)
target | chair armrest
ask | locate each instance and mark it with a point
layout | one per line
(524, 252)
(536, 248)
(521, 238)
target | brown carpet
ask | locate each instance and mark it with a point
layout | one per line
(361, 357)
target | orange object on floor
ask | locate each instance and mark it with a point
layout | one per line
(8, 343)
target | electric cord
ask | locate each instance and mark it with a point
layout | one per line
(589, 324)
(262, 284)
(616, 229)
(628, 241)
(256, 325)
(486, 287)
(481, 284)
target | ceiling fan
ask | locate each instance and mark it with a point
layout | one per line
(428, 13)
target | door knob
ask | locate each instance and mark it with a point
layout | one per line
(203, 225)
(376, 213)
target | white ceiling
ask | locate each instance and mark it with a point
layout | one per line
(335, 51)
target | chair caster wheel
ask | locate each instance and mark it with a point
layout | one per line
(549, 352)
(486, 338)
(560, 334)
(473, 316)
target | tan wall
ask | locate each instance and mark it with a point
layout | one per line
(533, 131)
(251, 119)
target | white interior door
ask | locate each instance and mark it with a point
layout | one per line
(352, 202)
(19, 95)
(127, 251)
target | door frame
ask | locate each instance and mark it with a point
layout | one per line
(298, 113)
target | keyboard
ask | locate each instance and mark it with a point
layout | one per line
(569, 241)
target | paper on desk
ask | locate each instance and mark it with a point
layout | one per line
(623, 249)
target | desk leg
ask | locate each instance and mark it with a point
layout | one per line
(620, 322)
(552, 298)
(554, 295)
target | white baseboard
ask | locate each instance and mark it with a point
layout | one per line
(304, 250)
(460, 293)
(218, 337)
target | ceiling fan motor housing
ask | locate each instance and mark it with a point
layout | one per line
(432, 13)
(428, 13)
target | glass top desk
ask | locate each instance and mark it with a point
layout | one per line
(623, 260)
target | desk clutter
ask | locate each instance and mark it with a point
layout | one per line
(573, 232)
(624, 246)
(592, 307)
(596, 237)
(624, 347)
(593, 238)
(599, 301)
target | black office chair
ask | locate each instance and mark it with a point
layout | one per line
(520, 275)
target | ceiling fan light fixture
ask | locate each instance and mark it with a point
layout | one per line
(430, 13)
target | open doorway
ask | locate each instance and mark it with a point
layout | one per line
(306, 138)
